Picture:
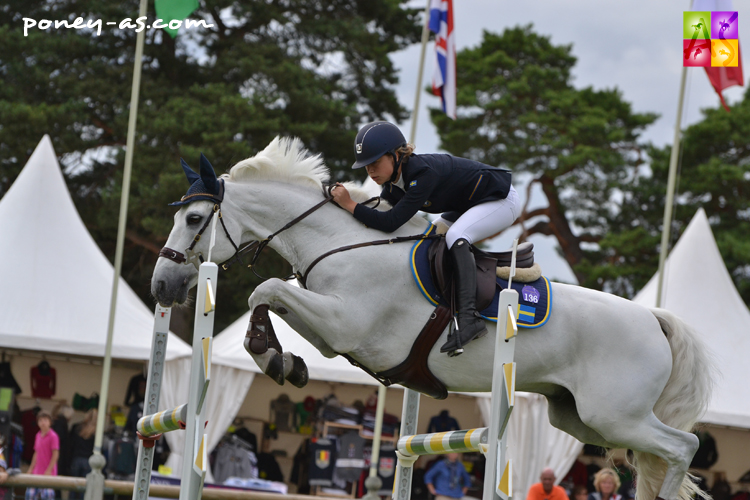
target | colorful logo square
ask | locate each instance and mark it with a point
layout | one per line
(724, 25)
(696, 53)
(725, 53)
(694, 24)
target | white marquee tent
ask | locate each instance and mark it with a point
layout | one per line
(698, 288)
(56, 281)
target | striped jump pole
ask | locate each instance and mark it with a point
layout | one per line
(163, 421)
(444, 442)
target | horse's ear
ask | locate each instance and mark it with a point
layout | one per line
(208, 175)
(191, 176)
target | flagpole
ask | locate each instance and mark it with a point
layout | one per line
(425, 37)
(95, 479)
(673, 159)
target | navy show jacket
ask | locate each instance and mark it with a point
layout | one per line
(436, 183)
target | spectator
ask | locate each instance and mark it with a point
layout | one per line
(448, 479)
(606, 483)
(3, 473)
(580, 493)
(46, 454)
(546, 488)
(61, 416)
(82, 447)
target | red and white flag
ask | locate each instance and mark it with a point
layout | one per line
(722, 77)
(444, 78)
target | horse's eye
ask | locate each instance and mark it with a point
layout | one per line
(193, 219)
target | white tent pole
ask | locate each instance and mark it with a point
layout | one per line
(95, 480)
(425, 37)
(673, 159)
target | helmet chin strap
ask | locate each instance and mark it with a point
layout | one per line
(396, 166)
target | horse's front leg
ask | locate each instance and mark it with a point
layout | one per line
(310, 314)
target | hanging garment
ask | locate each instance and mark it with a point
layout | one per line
(351, 459)
(707, 455)
(60, 426)
(123, 457)
(43, 380)
(30, 428)
(7, 379)
(443, 423)
(387, 469)
(248, 437)
(136, 390)
(300, 470)
(282, 412)
(234, 461)
(321, 460)
(268, 468)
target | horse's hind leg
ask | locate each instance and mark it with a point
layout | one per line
(564, 416)
(648, 435)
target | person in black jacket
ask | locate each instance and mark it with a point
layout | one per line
(475, 200)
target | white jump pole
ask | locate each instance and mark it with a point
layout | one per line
(195, 454)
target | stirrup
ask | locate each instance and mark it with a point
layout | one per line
(454, 339)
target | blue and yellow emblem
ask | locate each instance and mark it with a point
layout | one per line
(534, 299)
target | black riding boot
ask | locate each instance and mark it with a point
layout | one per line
(470, 323)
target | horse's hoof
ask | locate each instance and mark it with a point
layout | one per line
(299, 375)
(275, 368)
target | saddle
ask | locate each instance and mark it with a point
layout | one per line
(441, 269)
(413, 372)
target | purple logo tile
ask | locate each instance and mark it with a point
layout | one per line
(724, 24)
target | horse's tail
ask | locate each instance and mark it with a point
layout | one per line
(683, 401)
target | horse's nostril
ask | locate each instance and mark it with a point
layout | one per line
(160, 286)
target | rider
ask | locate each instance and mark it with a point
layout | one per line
(475, 200)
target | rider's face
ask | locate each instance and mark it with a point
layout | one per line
(382, 170)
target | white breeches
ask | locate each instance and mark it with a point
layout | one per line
(483, 220)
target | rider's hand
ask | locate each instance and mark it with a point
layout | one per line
(341, 196)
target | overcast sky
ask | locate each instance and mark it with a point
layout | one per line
(634, 46)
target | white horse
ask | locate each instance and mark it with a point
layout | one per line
(615, 374)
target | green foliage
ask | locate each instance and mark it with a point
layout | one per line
(310, 68)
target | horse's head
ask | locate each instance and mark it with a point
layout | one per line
(176, 270)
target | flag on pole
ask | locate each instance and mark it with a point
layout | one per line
(722, 78)
(719, 76)
(444, 78)
(174, 10)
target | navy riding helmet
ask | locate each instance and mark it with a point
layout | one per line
(375, 140)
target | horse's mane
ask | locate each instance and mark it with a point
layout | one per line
(285, 159)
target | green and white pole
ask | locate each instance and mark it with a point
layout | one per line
(95, 479)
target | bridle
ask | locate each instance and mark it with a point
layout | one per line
(196, 258)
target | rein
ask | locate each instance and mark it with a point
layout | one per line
(302, 278)
(197, 258)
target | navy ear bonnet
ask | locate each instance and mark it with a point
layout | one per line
(203, 187)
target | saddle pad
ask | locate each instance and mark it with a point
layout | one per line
(534, 299)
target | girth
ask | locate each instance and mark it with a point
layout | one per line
(413, 372)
